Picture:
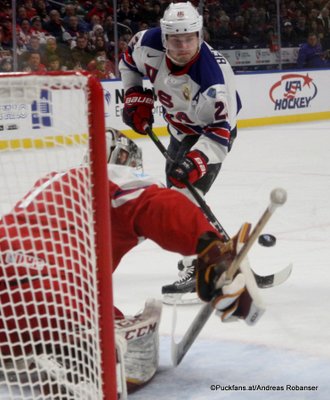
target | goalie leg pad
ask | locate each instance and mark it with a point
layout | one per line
(141, 334)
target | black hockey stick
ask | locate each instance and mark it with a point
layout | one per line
(199, 199)
(263, 281)
(179, 350)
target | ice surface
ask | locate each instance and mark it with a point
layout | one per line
(290, 345)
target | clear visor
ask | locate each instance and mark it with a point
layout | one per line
(184, 42)
(119, 156)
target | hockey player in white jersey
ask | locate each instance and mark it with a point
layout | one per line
(196, 86)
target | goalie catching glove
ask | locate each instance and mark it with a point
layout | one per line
(231, 299)
(138, 106)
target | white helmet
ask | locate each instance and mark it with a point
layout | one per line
(121, 150)
(181, 18)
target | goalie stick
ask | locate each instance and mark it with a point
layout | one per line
(274, 279)
(263, 281)
(179, 350)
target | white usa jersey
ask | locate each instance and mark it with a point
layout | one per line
(198, 99)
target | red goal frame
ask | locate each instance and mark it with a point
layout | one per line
(102, 224)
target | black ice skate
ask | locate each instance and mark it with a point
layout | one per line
(183, 291)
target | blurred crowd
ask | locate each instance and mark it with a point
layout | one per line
(79, 34)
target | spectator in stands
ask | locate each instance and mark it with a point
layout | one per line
(5, 10)
(238, 24)
(109, 30)
(54, 64)
(95, 20)
(101, 8)
(42, 10)
(30, 10)
(24, 32)
(53, 48)
(75, 27)
(71, 10)
(21, 14)
(261, 28)
(157, 14)
(311, 55)
(125, 12)
(6, 35)
(1, 39)
(54, 26)
(32, 46)
(6, 64)
(220, 30)
(95, 33)
(315, 25)
(110, 65)
(240, 33)
(81, 54)
(20, 47)
(301, 28)
(122, 47)
(293, 10)
(100, 68)
(99, 44)
(34, 63)
(68, 40)
(146, 12)
(289, 37)
(38, 30)
(142, 26)
(324, 19)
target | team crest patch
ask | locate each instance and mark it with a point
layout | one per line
(186, 92)
(211, 93)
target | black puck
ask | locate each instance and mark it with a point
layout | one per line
(267, 240)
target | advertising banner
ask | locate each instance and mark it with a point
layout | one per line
(267, 98)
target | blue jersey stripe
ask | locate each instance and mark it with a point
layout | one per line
(153, 38)
(206, 71)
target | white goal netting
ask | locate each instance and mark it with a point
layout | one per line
(50, 313)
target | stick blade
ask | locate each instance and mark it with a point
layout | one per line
(276, 279)
(283, 275)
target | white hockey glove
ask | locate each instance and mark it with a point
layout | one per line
(227, 299)
(234, 299)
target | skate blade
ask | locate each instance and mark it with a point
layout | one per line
(172, 299)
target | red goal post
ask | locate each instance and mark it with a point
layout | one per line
(48, 123)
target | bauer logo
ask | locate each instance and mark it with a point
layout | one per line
(293, 91)
(42, 110)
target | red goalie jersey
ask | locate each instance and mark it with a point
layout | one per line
(41, 238)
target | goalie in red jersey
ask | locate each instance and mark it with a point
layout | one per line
(31, 270)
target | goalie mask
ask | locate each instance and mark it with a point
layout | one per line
(180, 18)
(122, 151)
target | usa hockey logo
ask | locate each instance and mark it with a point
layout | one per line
(42, 110)
(293, 91)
